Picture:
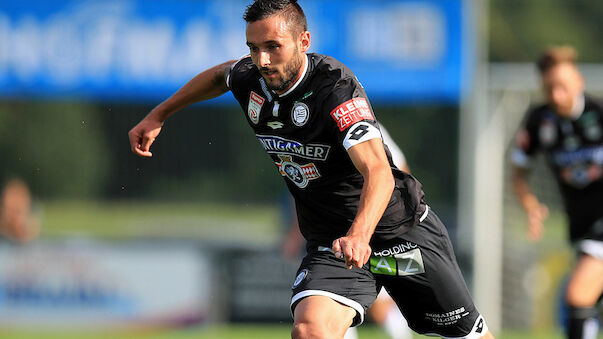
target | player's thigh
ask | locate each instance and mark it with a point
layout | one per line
(317, 316)
(586, 282)
(420, 272)
(322, 274)
(381, 307)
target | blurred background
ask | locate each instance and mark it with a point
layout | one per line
(189, 242)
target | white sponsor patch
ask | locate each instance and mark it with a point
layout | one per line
(594, 248)
(360, 132)
(256, 102)
(300, 114)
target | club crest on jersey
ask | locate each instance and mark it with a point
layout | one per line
(256, 102)
(547, 133)
(300, 175)
(300, 114)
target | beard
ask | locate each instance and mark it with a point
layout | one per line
(291, 71)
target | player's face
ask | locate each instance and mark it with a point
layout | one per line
(562, 84)
(277, 52)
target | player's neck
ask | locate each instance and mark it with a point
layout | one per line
(298, 79)
(577, 107)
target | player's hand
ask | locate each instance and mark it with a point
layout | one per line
(537, 214)
(143, 135)
(354, 249)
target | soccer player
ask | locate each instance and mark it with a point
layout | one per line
(568, 129)
(17, 222)
(366, 223)
(383, 310)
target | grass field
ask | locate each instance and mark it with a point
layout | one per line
(125, 220)
(234, 332)
(258, 225)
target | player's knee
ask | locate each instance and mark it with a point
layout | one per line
(488, 335)
(299, 331)
(304, 330)
(576, 297)
(315, 330)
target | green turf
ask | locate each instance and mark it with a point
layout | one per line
(234, 332)
(258, 224)
(245, 223)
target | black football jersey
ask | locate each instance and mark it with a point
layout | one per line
(574, 151)
(307, 131)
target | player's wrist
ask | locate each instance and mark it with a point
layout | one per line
(530, 203)
(158, 115)
(362, 235)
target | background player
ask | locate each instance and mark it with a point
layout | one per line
(17, 222)
(366, 223)
(568, 129)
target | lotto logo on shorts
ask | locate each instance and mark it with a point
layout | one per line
(350, 112)
(407, 263)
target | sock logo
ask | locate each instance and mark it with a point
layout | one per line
(480, 325)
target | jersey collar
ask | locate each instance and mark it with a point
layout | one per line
(299, 81)
(578, 107)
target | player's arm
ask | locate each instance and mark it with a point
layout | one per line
(535, 211)
(206, 85)
(370, 160)
(526, 146)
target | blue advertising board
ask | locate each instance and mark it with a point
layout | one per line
(405, 50)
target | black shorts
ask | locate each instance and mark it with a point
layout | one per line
(418, 270)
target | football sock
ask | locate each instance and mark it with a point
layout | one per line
(351, 333)
(395, 325)
(583, 323)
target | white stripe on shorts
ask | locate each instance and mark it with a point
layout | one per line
(340, 299)
(591, 247)
(424, 215)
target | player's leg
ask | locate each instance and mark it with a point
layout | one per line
(386, 314)
(583, 291)
(321, 317)
(351, 333)
(327, 297)
(420, 272)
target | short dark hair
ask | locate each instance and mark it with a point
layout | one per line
(554, 56)
(290, 9)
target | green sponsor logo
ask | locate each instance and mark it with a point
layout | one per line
(303, 97)
(383, 265)
(407, 263)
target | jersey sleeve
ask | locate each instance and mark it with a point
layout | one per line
(526, 142)
(350, 110)
(397, 155)
(234, 71)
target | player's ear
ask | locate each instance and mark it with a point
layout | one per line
(304, 41)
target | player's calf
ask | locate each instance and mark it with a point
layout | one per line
(319, 317)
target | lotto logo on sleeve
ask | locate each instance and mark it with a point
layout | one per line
(350, 112)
